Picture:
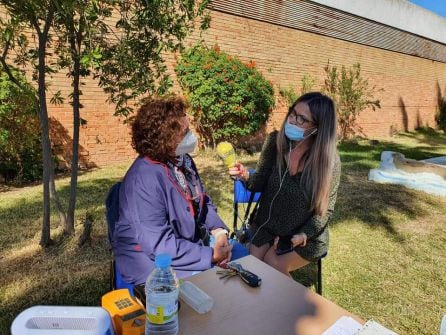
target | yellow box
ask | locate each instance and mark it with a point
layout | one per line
(126, 312)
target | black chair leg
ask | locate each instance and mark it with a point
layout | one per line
(319, 276)
(112, 275)
(234, 225)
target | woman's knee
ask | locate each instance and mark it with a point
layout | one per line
(273, 260)
(258, 252)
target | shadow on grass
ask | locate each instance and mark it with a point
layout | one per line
(63, 274)
(307, 275)
(22, 219)
(377, 205)
(353, 151)
(372, 203)
(426, 135)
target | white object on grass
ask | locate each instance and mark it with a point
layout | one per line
(419, 175)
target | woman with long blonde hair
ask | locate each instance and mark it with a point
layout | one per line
(298, 174)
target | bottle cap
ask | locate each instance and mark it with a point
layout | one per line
(163, 261)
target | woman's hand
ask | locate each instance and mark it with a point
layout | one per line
(299, 240)
(222, 249)
(238, 171)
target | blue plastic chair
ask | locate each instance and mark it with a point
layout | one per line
(242, 195)
(112, 214)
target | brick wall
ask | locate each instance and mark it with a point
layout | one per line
(411, 84)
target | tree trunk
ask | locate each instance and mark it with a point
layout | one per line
(75, 52)
(55, 197)
(45, 239)
(86, 233)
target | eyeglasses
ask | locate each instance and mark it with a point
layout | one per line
(298, 119)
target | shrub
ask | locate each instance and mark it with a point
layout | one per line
(20, 144)
(228, 98)
(290, 95)
(440, 117)
(352, 95)
(307, 84)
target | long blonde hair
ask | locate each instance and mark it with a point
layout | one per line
(320, 158)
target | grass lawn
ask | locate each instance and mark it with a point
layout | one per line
(386, 259)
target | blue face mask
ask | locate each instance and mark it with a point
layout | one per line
(295, 133)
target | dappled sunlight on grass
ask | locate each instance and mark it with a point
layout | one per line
(379, 205)
(387, 241)
(63, 273)
(400, 284)
(45, 276)
(422, 136)
(374, 204)
(23, 252)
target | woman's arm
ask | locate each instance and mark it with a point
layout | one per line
(155, 228)
(186, 255)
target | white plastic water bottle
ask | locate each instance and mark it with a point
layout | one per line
(162, 290)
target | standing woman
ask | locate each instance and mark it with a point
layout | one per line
(298, 174)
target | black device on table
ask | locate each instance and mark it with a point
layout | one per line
(247, 276)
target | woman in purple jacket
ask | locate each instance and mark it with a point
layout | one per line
(163, 207)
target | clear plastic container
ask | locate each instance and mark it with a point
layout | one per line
(195, 297)
(162, 289)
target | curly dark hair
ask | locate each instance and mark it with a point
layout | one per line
(155, 126)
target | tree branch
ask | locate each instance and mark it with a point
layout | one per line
(48, 20)
(35, 24)
(8, 71)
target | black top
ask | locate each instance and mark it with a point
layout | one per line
(290, 212)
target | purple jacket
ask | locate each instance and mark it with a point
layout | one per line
(155, 217)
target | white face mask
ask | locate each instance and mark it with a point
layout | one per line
(187, 144)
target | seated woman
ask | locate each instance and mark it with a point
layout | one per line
(298, 174)
(163, 207)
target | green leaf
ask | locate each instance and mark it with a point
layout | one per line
(7, 34)
(57, 98)
(85, 59)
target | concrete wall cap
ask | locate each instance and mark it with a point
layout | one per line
(400, 14)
